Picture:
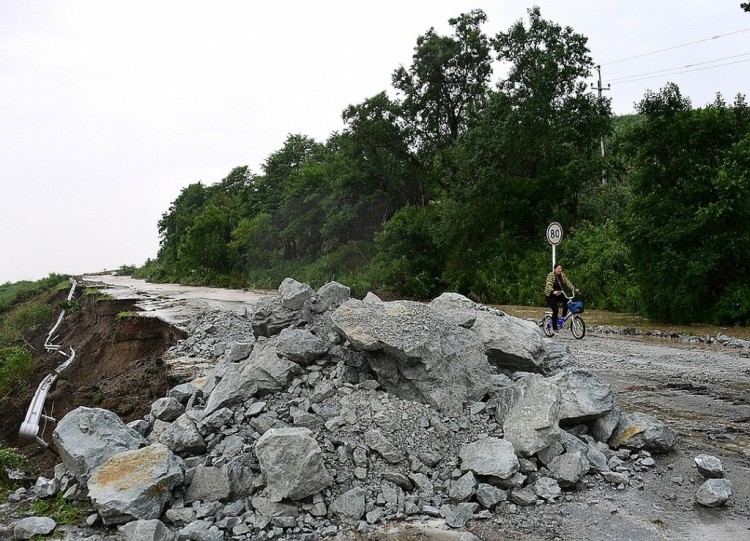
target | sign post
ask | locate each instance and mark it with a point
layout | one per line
(554, 236)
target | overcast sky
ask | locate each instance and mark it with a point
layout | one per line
(108, 109)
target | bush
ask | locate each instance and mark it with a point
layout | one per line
(10, 459)
(16, 367)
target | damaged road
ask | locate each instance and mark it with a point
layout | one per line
(700, 390)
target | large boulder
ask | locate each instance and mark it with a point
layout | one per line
(714, 493)
(416, 352)
(300, 346)
(33, 527)
(182, 437)
(135, 484)
(271, 317)
(493, 457)
(582, 396)
(510, 343)
(294, 294)
(87, 437)
(529, 412)
(329, 297)
(234, 388)
(292, 463)
(642, 431)
(267, 370)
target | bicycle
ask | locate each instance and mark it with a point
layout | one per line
(577, 325)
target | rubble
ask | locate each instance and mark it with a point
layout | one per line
(318, 413)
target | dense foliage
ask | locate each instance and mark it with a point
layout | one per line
(448, 182)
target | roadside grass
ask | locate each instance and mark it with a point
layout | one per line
(25, 307)
(60, 509)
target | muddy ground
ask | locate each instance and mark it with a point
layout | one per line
(699, 390)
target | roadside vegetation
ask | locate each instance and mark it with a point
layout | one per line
(24, 307)
(447, 181)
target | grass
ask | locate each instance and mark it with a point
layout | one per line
(61, 510)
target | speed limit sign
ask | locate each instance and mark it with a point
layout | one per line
(554, 233)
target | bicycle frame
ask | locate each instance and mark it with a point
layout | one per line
(577, 326)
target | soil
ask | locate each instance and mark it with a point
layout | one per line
(699, 390)
(118, 366)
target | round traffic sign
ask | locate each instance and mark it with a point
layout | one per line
(554, 233)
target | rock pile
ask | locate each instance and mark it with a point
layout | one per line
(319, 413)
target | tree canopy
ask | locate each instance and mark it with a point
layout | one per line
(447, 181)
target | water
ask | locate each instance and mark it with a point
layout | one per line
(601, 317)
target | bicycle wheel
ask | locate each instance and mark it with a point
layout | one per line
(547, 325)
(578, 327)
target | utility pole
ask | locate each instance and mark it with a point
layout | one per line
(599, 89)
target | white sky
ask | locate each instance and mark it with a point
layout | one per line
(108, 109)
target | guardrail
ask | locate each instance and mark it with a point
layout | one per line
(30, 426)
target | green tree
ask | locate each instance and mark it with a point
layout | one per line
(448, 76)
(524, 159)
(685, 223)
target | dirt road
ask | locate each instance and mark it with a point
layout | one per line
(699, 390)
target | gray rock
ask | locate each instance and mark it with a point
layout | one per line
(547, 488)
(300, 346)
(135, 484)
(489, 495)
(146, 530)
(28, 527)
(234, 388)
(267, 370)
(87, 437)
(330, 296)
(350, 506)
(523, 496)
(416, 353)
(200, 530)
(510, 343)
(582, 396)
(183, 392)
(597, 459)
(182, 437)
(616, 478)
(714, 492)
(376, 441)
(422, 483)
(46, 488)
(490, 456)
(238, 351)
(642, 431)
(569, 468)
(294, 294)
(292, 463)
(530, 414)
(464, 487)
(167, 409)
(709, 466)
(271, 317)
(456, 516)
(209, 484)
(602, 427)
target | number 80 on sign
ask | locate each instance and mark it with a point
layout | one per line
(554, 233)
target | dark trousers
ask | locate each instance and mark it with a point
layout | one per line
(554, 301)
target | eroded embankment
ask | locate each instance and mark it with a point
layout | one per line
(118, 367)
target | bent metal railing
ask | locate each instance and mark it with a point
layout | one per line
(30, 426)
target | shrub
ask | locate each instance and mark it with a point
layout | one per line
(16, 367)
(10, 459)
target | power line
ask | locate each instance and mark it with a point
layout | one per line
(676, 47)
(685, 71)
(621, 79)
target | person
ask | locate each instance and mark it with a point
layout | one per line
(553, 292)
